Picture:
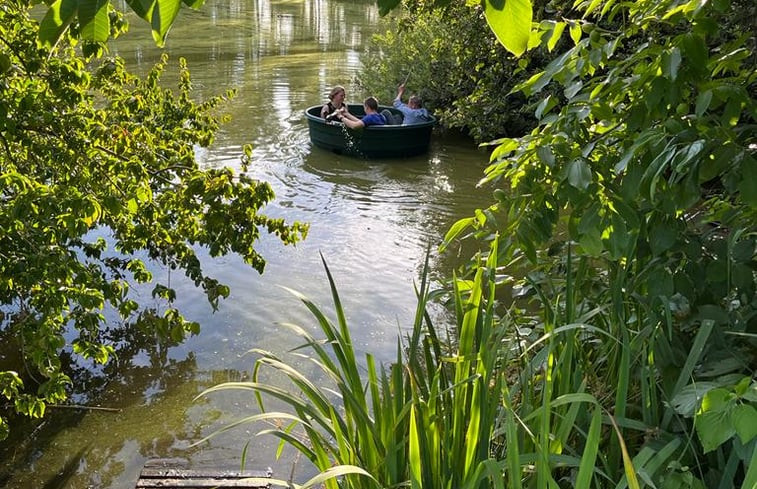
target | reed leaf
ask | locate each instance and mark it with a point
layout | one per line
(271, 416)
(591, 447)
(628, 467)
(700, 342)
(750, 479)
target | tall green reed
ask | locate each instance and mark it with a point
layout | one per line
(481, 412)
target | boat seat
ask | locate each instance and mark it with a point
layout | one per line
(391, 118)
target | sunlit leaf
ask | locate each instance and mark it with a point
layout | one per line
(591, 7)
(575, 32)
(506, 147)
(556, 34)
(94, 20)
(510, 20)
(56, 21)
(163, 14)
(143, 8)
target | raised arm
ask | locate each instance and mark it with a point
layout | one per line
(400, 92)
(398, 99)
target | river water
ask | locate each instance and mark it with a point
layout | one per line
(372, 221)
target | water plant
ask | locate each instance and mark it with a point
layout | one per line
(476, 411)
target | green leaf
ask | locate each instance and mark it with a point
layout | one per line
(592, 6)
(713, 428)
(5, 63)
(750, 480)
(575, 32)
(671, 61)
(506, 147)
(589, 458)
(547, 104)
(555, 37)
(335, 472)
(686, 402)
(703, 102)
(194, 3)
(748, 185)
(744, 418)
(163, 14)
(458, 228)
(94, 20)
(510, 20)
(143, 8)
(695, 48)
(56, 21)
(579, 174)
(662, 238)
(713, 421)
(546, 156)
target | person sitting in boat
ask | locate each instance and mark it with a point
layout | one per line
(412, 112)
(335, 103)
(371, 117)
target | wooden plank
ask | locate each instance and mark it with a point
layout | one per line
(174, 473)
(198, 483)
(202, 473)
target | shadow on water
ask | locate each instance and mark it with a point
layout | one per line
(62, 478)
(143, 418)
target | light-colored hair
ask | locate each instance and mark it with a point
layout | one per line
(372, 103)
(336, 90)
(416, 100)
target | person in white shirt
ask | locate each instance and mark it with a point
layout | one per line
(412, 111)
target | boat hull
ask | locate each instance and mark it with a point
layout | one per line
(390, 141)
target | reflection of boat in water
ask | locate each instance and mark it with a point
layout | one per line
(390, 141)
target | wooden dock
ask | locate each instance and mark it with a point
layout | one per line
(173, 473)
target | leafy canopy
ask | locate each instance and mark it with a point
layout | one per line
(509, 20)
(97, 174)
(95, 19)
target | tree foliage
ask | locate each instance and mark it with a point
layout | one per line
(97, 175)
(95, 21)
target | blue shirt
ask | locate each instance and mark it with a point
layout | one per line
(412, 116)
(374, 119)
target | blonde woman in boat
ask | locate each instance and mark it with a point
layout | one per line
(335, 103)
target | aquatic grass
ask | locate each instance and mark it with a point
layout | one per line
(481, 412)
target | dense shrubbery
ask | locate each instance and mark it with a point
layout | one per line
(454, 62)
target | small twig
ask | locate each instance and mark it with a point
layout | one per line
(87, 408)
